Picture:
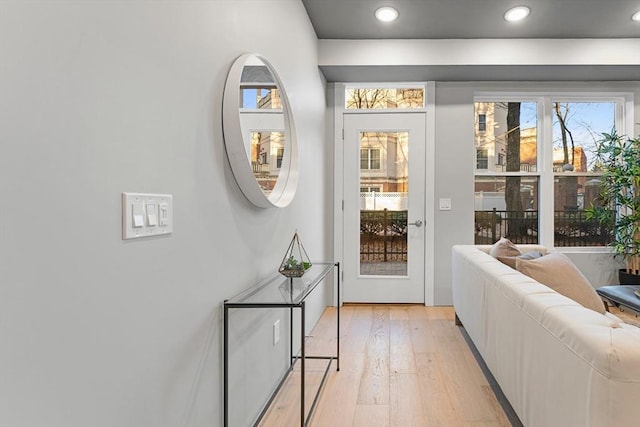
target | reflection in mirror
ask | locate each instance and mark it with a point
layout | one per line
(267, 152)
(258, 132)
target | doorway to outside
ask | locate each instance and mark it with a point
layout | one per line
(383, 178)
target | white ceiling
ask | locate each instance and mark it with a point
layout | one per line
(342, 20)
(455, 19)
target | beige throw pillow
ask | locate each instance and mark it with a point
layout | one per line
(511, 260)
(560, 274)
(504, 247)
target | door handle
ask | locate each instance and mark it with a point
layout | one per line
(418, 223)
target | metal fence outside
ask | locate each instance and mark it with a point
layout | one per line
(383, 236)
(571, 228)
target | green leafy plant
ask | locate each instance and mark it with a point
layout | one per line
(293, 264)
(618, 204)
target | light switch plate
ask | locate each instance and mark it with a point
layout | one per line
(135, 206)
(445, 204)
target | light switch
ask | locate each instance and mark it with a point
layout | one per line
(146, 215)
(152, 214)
(445, 204)
(138, 215)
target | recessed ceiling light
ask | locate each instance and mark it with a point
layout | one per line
(517, 13)
(636, 16)
(386, 14)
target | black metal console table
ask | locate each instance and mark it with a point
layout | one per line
(278, 291)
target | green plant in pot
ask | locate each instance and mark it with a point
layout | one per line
(618, 205)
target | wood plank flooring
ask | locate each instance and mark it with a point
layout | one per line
(400, 366)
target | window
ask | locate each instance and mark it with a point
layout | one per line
(516, 191)
(260, 97)
(506, 182)
(482, 158)
(279, 156)
(384, 98)
(370, 158)
(577, 127)
(482, 122)
(371, 189)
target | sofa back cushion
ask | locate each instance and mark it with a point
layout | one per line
(560, 274)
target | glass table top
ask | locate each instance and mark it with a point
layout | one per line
(278, 289)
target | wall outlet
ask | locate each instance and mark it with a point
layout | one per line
(276, 332)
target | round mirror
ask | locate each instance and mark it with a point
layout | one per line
(259, 133)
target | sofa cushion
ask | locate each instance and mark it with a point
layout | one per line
(560, 274)
(504, 247)
(511, 260)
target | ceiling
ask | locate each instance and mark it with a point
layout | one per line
(463, 19)
(343, 21)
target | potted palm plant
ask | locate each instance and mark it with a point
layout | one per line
(618, 204)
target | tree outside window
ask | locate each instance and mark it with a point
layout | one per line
(508, 187)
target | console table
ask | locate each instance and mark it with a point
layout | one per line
(278, 291)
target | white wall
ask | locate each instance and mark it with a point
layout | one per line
(101, 97)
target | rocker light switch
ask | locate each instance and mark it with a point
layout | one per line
(146, 215)
(152, 214)
(138, 216)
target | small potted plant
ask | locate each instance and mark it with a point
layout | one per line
(618, 203)
(296, 261)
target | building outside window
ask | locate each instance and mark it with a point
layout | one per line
(517, 192)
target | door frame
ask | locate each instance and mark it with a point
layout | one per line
(336, 98)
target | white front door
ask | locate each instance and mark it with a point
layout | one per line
(384, 207)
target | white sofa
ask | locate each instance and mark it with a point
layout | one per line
(557, 362)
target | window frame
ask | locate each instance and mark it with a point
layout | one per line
(484, 159)
(544, 159)
(482, 122)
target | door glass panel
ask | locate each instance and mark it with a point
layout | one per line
(384, 186)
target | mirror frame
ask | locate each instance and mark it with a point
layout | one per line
(287, 182)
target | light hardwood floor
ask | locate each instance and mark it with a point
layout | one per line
(400, 366)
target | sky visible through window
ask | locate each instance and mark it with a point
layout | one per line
(587, 121)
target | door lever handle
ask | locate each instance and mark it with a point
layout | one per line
(418, 223)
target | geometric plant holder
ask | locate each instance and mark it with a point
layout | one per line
(295, 261)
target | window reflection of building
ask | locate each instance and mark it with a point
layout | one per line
(267, 152)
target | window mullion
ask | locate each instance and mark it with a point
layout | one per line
(545, 159)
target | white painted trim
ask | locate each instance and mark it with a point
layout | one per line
(511, 52)
(430, 185)
(338, 188)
